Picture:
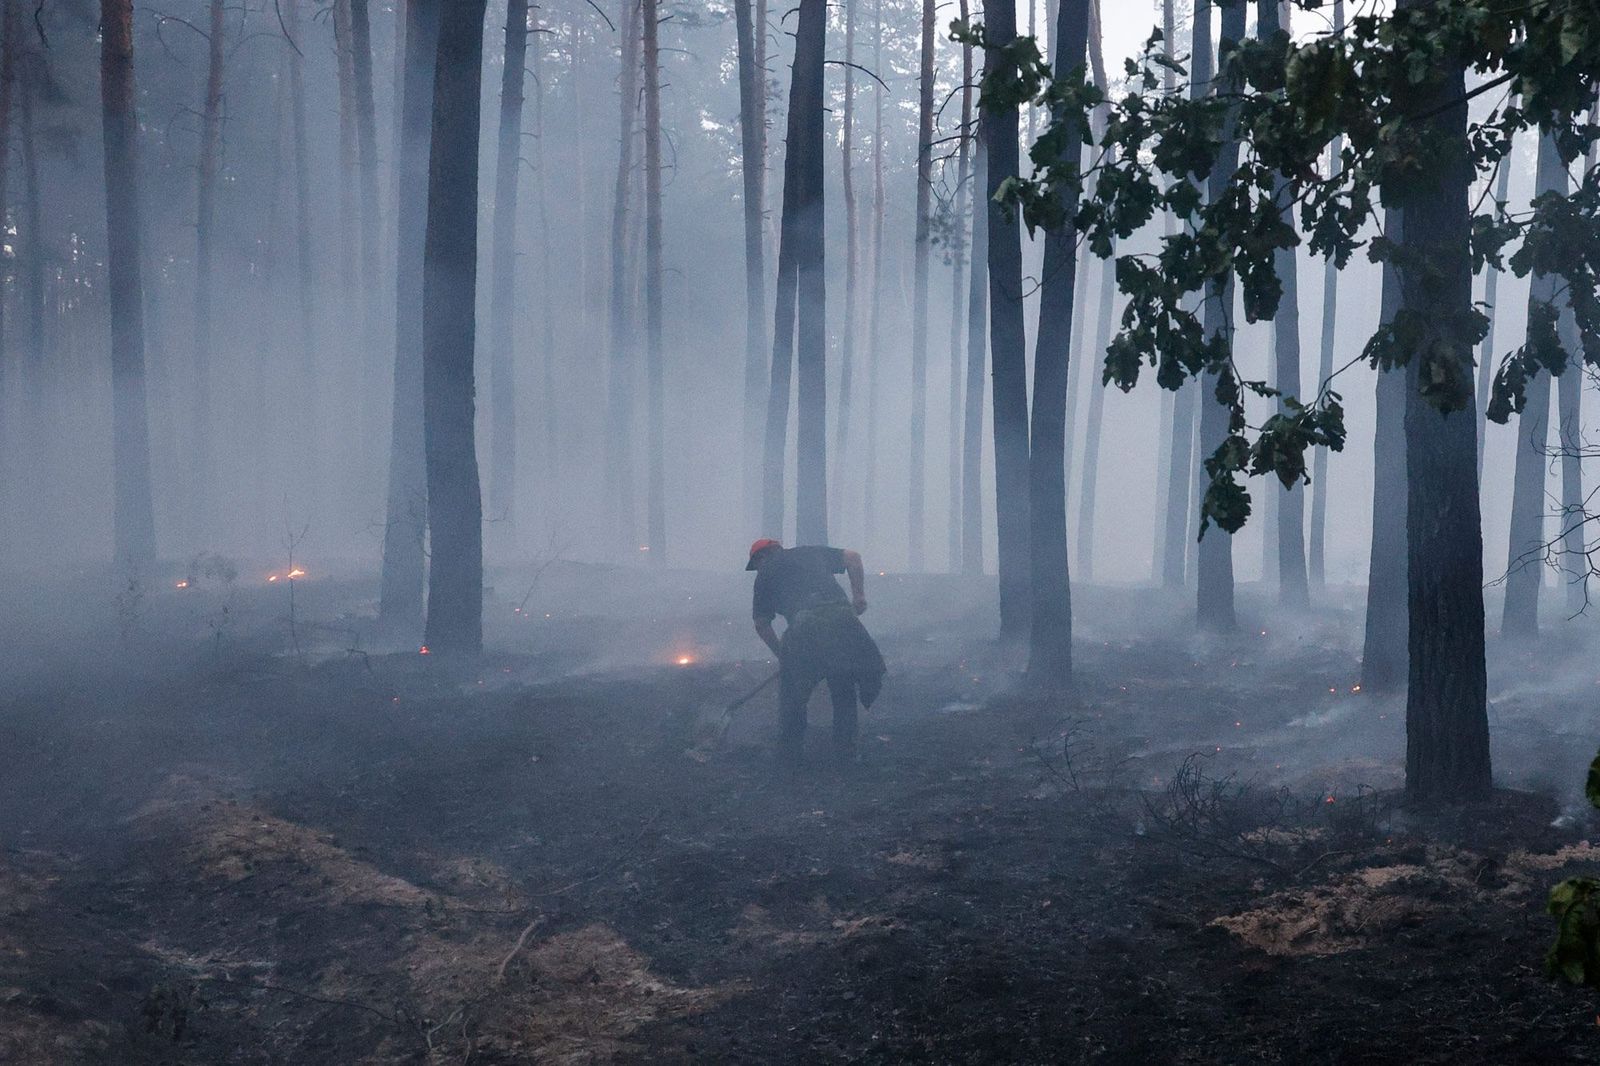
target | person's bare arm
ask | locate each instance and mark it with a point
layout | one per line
(858, 580)
(769, 636)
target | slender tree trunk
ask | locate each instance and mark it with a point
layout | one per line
(1525, 551)
(1291, 523)
(620, 403)
(1319, 458)
(10, 53)
(503, 260)
(773, 507)
(1383, 656)
(961, 203)
(869, 509)
(200, 501)
(308, 453)
(30, 248)
(916, 510)
(811, 438)
(752, 128)
(1093, 359)
(1050, 634)
(348, 154)
(1007, 338)
(1215, 579)
(367, 178)
(1575, 563)
(1447, 727)
(551, 466)
(977, 323)
(133, 521)
(1486, 352)
(847, 341)
(406, 515)
(1169, 403)
(655, 381)
(449, 298)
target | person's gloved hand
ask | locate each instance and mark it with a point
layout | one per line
(860, 604)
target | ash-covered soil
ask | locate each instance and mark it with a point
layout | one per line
(229, 839)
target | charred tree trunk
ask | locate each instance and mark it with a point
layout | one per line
(200, 488)
(655, 381)
(977, 325)
(753, 164)
(406, 514)
(811, 436)
(1169, 403)
(1447, 727)
(1575, 563)
(1291, 515)
(916, 508)
(1007, 337)
(1093, 358)
(847, 342)
(869, 509)
(1383, 656)
(449, 298)
(367, 176)
(30, 246)
(133, 522)
(1214, 581)
(309, 423)
(1050, 635)
(1525, 551)
(503, 264)
(1330, 317)
(620, 404)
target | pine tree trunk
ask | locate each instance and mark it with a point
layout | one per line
(977, 324)
(1169, 402)
(753, 164)
(1525, 550)
(1383, 657)
(200, 501)
(869, 510)
(1007, 339)
(400, 603)
(655, 381)
(550, 466)
(133, 522)
(308, 454)
(1091, 360)
(1486, 354)
(961, 202)
(1214, 582)
(811, 432)
(367, 178)
(1050, 634)
(620, 403)
(847, 340)
(1318, 561)
(30, 245)
(916, 509)
(1575, 563)
(503, 260)
(1447, 728)
(449, 297)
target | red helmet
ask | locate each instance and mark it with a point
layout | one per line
(758, 547)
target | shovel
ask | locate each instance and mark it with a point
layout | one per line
(713, 740)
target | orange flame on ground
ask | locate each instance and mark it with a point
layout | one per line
(422, 650)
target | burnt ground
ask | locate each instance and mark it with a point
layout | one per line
(226, 840)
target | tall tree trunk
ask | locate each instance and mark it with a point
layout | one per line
(847, 341)
(503, 260)
(1093, 358)
(753, 164)
(1447, 726)
(367, 177)
(1183, 463)
(811, 349)
(916, 509)
(406, 514)
(1330, 318)
(1169, 403)
(203, 520)
(1215, 579)
(1050, 635)
(1291, 515)
(620, 404)
(349, 223)
(133, 522)
(308, 454)
(1574, 561)
(1007, 336)
(30, 248)
(961, 204)
(550, 467)
(449, 298)
(1383, 655)
(869, 509)
(1525, 550)
(655, 381)
(1486, 352)
(977, 324)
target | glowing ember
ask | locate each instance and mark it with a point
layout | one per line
(1355, 688)
(296, 572)
(183, 584)
(422, 650)
(685, 660)
(271, 578)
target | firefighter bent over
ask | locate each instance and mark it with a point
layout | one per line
(824, 639)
